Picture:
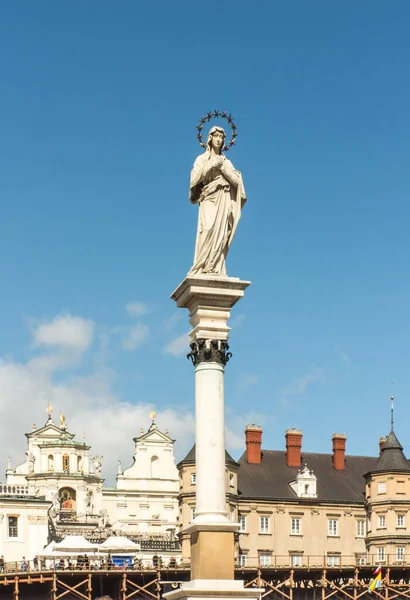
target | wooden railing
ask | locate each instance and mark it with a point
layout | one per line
(285, 562)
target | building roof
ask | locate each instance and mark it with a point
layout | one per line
(190, 457)
(392, 457)
(271, 478)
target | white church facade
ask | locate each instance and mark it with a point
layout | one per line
(58, 491)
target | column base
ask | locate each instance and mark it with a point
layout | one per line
(199, 589)
(212, 555)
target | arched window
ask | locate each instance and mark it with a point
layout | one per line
(50, 462)
(155, 467)
(66, 463)
(79, 464)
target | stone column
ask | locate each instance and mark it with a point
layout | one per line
(209, 300)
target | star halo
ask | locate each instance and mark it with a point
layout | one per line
(213, 115)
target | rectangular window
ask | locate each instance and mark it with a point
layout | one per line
(193, 511)
(381, 488)
(231, 483)
(333, 561)
(242, 523)
(400, 552)
(264, 560)
(382, 521)
(400, 520)
(380, 554)
(193, 477)
(295, 526)
(13, 527)
(333, 527)
(296, 560)
(264, 525)
(242, 560)
(361, 528)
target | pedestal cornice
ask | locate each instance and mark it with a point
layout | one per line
(209, 301)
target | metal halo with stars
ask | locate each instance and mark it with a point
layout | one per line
(213, 115)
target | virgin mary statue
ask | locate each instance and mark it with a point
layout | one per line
(218, 189)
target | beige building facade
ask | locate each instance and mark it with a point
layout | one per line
(310, 509)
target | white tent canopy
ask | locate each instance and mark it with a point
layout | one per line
(75, 543)
(118, 544)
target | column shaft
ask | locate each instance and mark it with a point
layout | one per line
(210, 443)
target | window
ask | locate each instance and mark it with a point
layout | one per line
(296, 560)
(380, 554)
(50, 462)
(382, 521)
(360, 528)
(193, 511)
(400, 520)
(155, 467)
(295, 526)
(66, 463)
(231, 484)
(381, 488)
(193, 477)
(242, 560)
(333, 561)
(333, 527)
(264, 525)
(13, 527)
(264, 560)
(400, 552)
(242, 523)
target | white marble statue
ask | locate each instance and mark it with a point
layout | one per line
(218, 189)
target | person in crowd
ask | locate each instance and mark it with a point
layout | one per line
(172, 563)
(24, 565)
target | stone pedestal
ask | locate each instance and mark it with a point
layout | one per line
(209, 300)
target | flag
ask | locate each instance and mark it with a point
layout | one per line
(376, 583)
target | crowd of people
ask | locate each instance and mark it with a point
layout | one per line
(83, 562)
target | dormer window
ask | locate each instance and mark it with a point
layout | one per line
(305, 484)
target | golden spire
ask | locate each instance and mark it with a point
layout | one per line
(49, 409)
(153, 414)
(62, 421)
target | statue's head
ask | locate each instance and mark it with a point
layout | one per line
(216, 139)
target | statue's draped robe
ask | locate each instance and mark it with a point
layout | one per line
(221, 196)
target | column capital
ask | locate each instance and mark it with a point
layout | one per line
(215, 351)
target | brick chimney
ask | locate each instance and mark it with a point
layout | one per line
(293, 447)
(382, 441)
(339, 450)
(253, 437)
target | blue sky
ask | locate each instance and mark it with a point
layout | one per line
(98, 111)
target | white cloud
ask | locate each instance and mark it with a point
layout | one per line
(178, 346)
(64, 331)
(136, 309)
(90, 405)
(138, 335)
(236, 320)
(171, 321)
(245, 381)
(299, 385)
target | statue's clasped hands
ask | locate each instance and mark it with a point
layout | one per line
(217, 162)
